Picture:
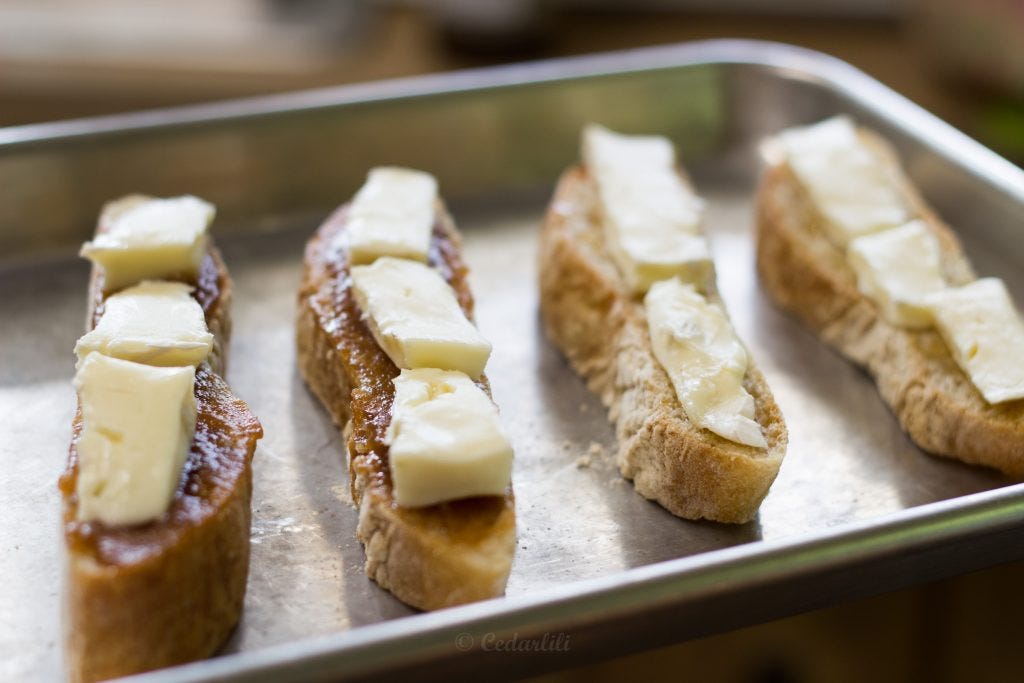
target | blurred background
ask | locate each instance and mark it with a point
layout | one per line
(963, 60)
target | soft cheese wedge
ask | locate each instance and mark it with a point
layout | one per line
(891, 288)
(155, 238)
(985, 333)
(445, 441)
(416, 319)
(898, 269)
(392, 215)
(137, 426)
(699, 350)
(651, 217)
(154, 322)
(848, 180)
(697, 427)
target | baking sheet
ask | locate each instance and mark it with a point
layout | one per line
(589, 546)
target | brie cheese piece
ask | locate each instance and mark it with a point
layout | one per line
(445, 441)
(651, 218)
(985, 334)
(392, 215)
(154, 239)
(851, 187)
(154, 322)
(137, 428)
(897, 269)
(415, 317)
(695, 343)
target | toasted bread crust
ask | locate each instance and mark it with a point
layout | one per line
(934, 401)
(602, 330)
(171, 591)
(431, 557)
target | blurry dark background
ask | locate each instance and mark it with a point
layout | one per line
(963, 60)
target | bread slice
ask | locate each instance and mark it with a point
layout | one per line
(429, 557)
(934, 401)
(170, 591)
(589, 314)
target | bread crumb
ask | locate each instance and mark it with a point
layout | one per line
(584, 407)
(583, 461)
(566, 445)
(595, 448)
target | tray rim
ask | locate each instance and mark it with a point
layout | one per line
(910, 537)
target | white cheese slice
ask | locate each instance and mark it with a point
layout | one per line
(415, 317)
(985, 334)
(392, 215)
(851, 187)
(154, 239)
(445, 441)
(897, 269)
(137, 428)
(651, 218)
(695, 343)
(154, 322)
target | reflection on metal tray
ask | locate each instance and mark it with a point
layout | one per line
(857, 509)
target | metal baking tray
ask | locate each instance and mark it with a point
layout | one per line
(599, 571)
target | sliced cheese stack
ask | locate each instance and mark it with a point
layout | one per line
(444, 440)
(136, 369)
(897, 257)
(652, 223)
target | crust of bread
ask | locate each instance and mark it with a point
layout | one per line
(602, 330)
(934, 401)
(168, 592)
(431, 557)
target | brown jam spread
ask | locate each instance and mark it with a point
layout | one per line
(370, 371)
(225, 432)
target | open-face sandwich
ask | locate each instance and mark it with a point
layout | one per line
(157, 489)
(628, 294)
(386, 342)
(847, 244)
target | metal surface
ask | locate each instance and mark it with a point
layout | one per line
(857, 509)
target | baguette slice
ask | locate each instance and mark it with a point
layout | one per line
(430, 557)
(589, 314)
(934, 401)
(171, 591)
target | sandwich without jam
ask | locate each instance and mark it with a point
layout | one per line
(847, 244)
(628, 295)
